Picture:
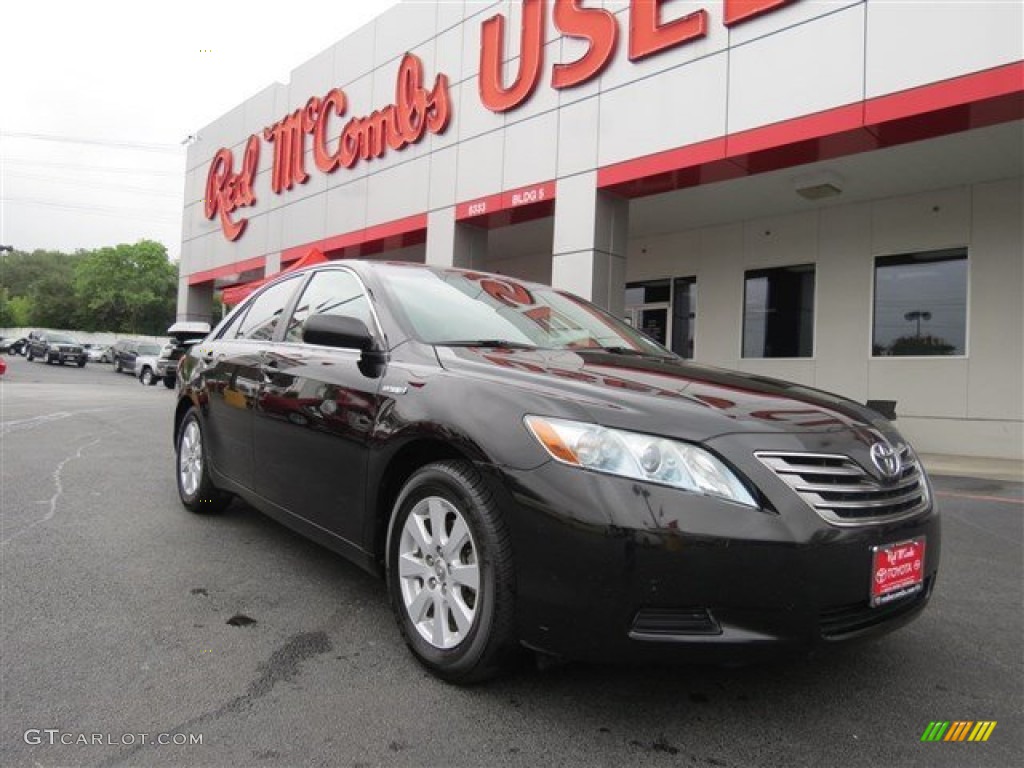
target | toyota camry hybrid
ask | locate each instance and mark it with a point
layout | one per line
(528, 471)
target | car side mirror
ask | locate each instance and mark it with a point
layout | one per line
(346, 333)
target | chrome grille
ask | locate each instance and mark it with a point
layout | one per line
(842, 492)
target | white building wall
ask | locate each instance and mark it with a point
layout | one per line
(807, 56)
(970, 405)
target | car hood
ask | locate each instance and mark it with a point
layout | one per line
(672, 397)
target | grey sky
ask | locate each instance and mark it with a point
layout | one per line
(132, 79)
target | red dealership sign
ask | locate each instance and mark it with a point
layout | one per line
(599, 27)
(416, 111)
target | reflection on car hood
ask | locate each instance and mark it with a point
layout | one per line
(667, 396)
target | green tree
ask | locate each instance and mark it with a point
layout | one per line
(38, 287)
(6, 313)
(126, 288)
(21, 311)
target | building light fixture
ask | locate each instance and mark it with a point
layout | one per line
(820, 185)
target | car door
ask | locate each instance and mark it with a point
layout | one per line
(231, 375)
(316, 412)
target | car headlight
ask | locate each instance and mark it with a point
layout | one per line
(641, 457)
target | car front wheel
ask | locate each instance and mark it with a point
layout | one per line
(196, 489)
(146, 377)
(451, 574)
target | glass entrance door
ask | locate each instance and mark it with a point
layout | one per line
(653, 320)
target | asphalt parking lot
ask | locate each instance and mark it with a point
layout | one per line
(115, 603)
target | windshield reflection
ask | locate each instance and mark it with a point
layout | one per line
(446, 306)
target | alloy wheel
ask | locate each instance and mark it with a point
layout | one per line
(190, 458)
(439, 572)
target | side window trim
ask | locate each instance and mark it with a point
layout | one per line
(232, 320)
(239, 322)
(377, 330)
(289, 308)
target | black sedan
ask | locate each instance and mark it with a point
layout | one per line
(528, 471)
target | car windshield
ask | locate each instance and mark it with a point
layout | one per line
(149, 349)
(450, 307)
(60, 338)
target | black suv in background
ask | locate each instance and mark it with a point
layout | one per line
(55, 347)
(121, 352)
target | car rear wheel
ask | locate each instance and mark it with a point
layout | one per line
(451, 574)
(196, 489)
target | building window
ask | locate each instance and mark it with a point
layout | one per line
(920, 304)
(778, 312)
(684, 315)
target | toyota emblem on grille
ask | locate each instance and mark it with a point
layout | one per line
(886, 460)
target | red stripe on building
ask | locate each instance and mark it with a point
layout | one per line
(972, 101)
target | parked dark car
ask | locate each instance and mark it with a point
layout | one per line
(120, 352)
(55, 347)
(527, 470)
(14, 346)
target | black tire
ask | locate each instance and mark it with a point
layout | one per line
(81, 363)
(169, 382)
(205, 498)
(117, 366)
(488, 646)
(29, 356)
(146, 377)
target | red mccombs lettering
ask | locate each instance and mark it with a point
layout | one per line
(415, 112)
(599, 27)
(227, 191)
(417, 109)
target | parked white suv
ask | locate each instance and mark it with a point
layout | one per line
(152, 367)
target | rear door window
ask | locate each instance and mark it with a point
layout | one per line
(265, 311)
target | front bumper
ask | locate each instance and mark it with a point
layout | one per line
(610, 569)
(64, 356)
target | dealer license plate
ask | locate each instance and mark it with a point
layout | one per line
(897, 571)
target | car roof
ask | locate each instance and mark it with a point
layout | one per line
(364, 267)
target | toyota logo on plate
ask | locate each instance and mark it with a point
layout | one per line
(886, 459)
